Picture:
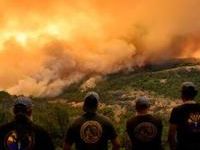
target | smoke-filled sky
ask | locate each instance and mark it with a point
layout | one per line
(47, 45)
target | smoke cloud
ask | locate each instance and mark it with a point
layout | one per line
(48, 45)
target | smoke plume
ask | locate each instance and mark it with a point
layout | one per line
(48, 45)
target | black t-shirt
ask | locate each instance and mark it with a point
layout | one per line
(30, 137)
(91, 132)
(187, 119)
(144, 132)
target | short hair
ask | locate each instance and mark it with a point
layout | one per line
(142, 103)
(188, 91)
(91, 101)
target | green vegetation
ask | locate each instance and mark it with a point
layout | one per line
(159, 79)
(159, 82)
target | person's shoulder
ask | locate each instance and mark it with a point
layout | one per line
(182, 107)
(178, 107)
(131, 119)
(197, 104)
(103, 118)
(156, 119)
(37, 127)
(193, 107)
(77, 120)
(7, 126)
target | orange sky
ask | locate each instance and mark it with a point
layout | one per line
(47, 45)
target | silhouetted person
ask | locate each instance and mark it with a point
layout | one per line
(184, 132)
(22, 133)
(91, 131)
(144, 130)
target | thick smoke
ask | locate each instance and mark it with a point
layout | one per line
(48, 45)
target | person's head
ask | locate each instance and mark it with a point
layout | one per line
(188, 91)
(91, 101)
(23, 105)
(142, 104)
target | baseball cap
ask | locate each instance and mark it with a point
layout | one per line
(142, 102)
(22, 100)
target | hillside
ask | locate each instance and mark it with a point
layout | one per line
(160, 82)
(162, 79)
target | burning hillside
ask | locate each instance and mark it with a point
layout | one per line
(46, 46)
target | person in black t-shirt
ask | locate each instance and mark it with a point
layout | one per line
(144, 130)
(184, 131)
(21, 133)
(91, 131)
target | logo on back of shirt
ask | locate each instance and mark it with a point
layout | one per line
(13, 142)
(145, 131)
(91, 132)
(193, 122)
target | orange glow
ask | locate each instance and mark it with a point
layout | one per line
(46, 46)
(197, 54)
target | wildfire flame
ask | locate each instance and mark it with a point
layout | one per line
(46, 46)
